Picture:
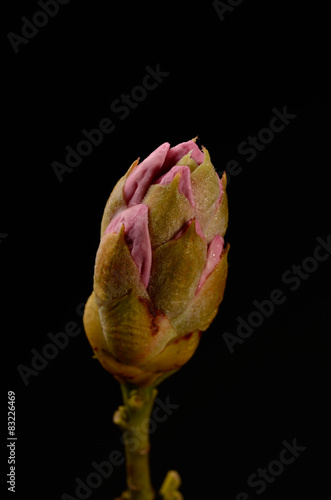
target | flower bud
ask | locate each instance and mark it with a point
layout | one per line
(161, 265)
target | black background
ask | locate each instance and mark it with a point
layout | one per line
(225, 78)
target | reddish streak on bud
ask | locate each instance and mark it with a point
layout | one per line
(154, 315)
(214, 253)
(221, 192)
(185, 337)
(185, 227)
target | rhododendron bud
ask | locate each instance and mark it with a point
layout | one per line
(161, 265)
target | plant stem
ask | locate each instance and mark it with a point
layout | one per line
(134, 418)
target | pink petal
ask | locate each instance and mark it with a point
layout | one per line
(135, 220)
(141, 177)
(185, 186)
(214, 252)
(176, 153)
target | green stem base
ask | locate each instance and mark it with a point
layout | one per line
(133, 418)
